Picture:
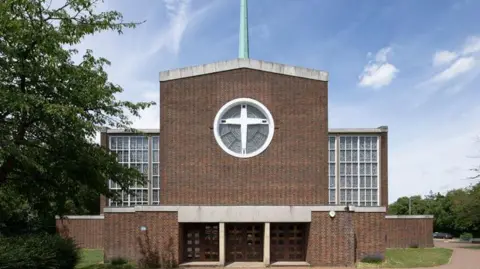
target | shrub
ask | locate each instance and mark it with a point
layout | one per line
(41, 251)
(373, 258)
(414, 245)
(119, 266)
(466, 237)
(118, 261)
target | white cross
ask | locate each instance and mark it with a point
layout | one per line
(244, 121)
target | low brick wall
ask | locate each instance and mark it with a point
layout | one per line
(369, 234)
(410, 230)
(87, 231)
(331, 240)
(131, 235)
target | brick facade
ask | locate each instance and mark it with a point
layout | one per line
(124, 237)
(292, 171)
(369, 234)
(384, 169)
(87, 233)
(331, 240)
(407, 232)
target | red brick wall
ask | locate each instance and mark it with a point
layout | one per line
(404, 233)
(331, 240)
(123, 237)
(384, 169)
(292, 170)
(120, 236)
(369, 234)
(87, 233)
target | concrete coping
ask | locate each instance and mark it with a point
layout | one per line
(328, 208)
(79, 217)
(381, 129)
(222, 66)
(409, 217)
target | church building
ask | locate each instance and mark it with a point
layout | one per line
(244, 168)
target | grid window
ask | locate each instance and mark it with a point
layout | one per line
(132, 151)
(155, 170)
(358, 178)
(331, 170)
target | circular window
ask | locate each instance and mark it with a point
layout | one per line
(243, 127)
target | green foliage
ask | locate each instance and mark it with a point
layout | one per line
(374, 258)
(38, 252)
(51, 108)
(456, 212)
(466, 236)
(118, 261)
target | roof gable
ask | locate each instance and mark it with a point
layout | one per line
(243, 63)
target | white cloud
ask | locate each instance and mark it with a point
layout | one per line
(459, 64)
(378, 73)
(472, 45)
(457, 68)
(178, 12)
(443, 57)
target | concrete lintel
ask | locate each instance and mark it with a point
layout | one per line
(244, 214)
(119, 210)
(81, 217)
(157, 208)
(125, 131)
(409, 217)
(373, 209)
(330, 131)
(381, 129)
(327, 208)
(243, 63)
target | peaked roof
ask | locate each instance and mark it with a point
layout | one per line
(243, 63)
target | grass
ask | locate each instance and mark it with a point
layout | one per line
(93, 259)
(472, 247)
(90, 258)
(411, 258)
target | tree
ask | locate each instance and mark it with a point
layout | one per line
(51, 107)
(455, 212)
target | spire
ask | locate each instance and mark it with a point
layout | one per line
(243, 40)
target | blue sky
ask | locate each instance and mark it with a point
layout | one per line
(411, 65)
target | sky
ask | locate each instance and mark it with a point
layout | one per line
(413, 66)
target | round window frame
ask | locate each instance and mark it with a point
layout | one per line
(246, 101)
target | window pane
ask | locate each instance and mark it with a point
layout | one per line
(331, 144)
(332, 182)
(355, 196)
(342, 142)
(349, 182)
(332, 196)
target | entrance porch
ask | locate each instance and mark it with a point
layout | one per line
(238, 244)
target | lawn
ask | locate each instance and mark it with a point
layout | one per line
(411, 258)
(90, 258)
(472, 247)
(93, 259)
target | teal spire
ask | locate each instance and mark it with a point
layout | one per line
(243, 39)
